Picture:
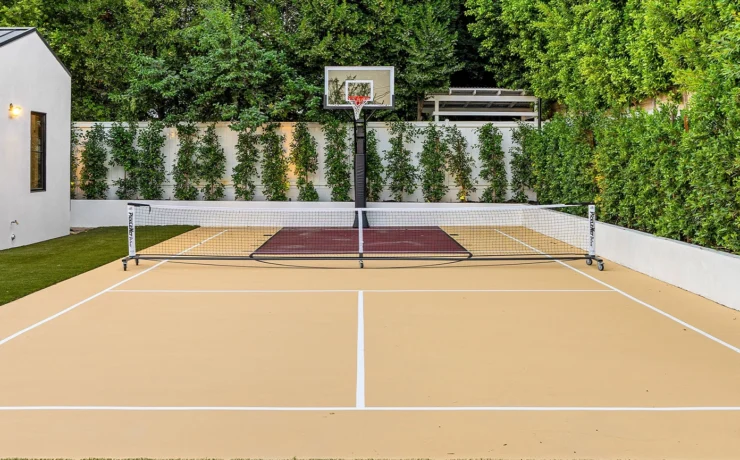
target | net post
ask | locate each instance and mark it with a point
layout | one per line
(131, 212)
(592, 230)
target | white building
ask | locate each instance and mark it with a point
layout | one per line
(35, 104)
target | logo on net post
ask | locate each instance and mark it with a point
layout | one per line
(592, 227)
(130, 229)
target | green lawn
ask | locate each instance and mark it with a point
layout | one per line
(30, 268)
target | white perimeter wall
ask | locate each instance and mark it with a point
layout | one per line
(31, 77)
(711, 274)
(228, 139)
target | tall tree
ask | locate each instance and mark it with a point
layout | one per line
(432, 59)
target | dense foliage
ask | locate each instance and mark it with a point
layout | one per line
(151, 173)
(94, 172)
(274, 164)
(593, 61)
(337, 164)
(123, 153)
(213, 60)
(644, 171)
(185, 169)
(305, 159)
(493, 169)
(374, 174)
(432, 164)
(211, 165)
(400, 172)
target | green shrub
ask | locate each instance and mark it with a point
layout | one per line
(274, 164)
(185, 169)
(337, 165)
(400, 172)
(151, 174)
(460, 163)
(94, 172)
(375, 182)
(432, 164)
(305, 159)
(493, 170)
(212, 165)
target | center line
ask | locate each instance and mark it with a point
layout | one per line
(360, 397)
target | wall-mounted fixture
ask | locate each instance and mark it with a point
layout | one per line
(15, 111)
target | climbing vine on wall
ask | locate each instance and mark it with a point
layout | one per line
(432, 164)
(73, 160)
(151, 174)
(374, 179)
(245, 172)
(274, 164)
(185, 169)
(93, 176)
(123, 153)
(212, 165)
(401, 172)
(521, 164)
(337, 166)
(305, 159)
(493, 170)
(460, 163)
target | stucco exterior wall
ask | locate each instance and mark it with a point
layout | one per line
(31, 77)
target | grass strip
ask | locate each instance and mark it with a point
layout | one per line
(34, 267)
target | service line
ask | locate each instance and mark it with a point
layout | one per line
(376, 409)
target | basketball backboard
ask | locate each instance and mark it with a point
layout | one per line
(342, 83)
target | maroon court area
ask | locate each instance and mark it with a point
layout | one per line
(378, 240)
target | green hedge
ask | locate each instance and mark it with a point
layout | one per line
(674, 174)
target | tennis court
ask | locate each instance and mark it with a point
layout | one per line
(317, 358)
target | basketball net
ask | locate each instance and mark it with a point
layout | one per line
(358, 102)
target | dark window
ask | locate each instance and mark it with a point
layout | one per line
(38, 151)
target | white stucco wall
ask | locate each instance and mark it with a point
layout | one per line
(228, 140)
(31, 77)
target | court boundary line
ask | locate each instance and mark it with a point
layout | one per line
(635, 299)
(360, 393)
(318, 291)
(376, 408)
(94, 296)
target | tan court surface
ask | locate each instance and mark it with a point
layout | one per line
(482, 360)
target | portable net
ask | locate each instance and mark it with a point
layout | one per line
(357, 102)
(503, 232)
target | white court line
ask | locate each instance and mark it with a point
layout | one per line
(360, 395)
(304, 291)
(82, 302)
(374, 409)
(634, 299)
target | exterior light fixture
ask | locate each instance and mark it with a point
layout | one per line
(15, 111)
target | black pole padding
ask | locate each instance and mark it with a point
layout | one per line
(361, 169)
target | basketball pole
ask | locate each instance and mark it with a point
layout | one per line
(360, 125)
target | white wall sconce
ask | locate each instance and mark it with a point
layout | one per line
(15, 111)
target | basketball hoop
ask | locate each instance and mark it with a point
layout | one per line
(358, 102)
